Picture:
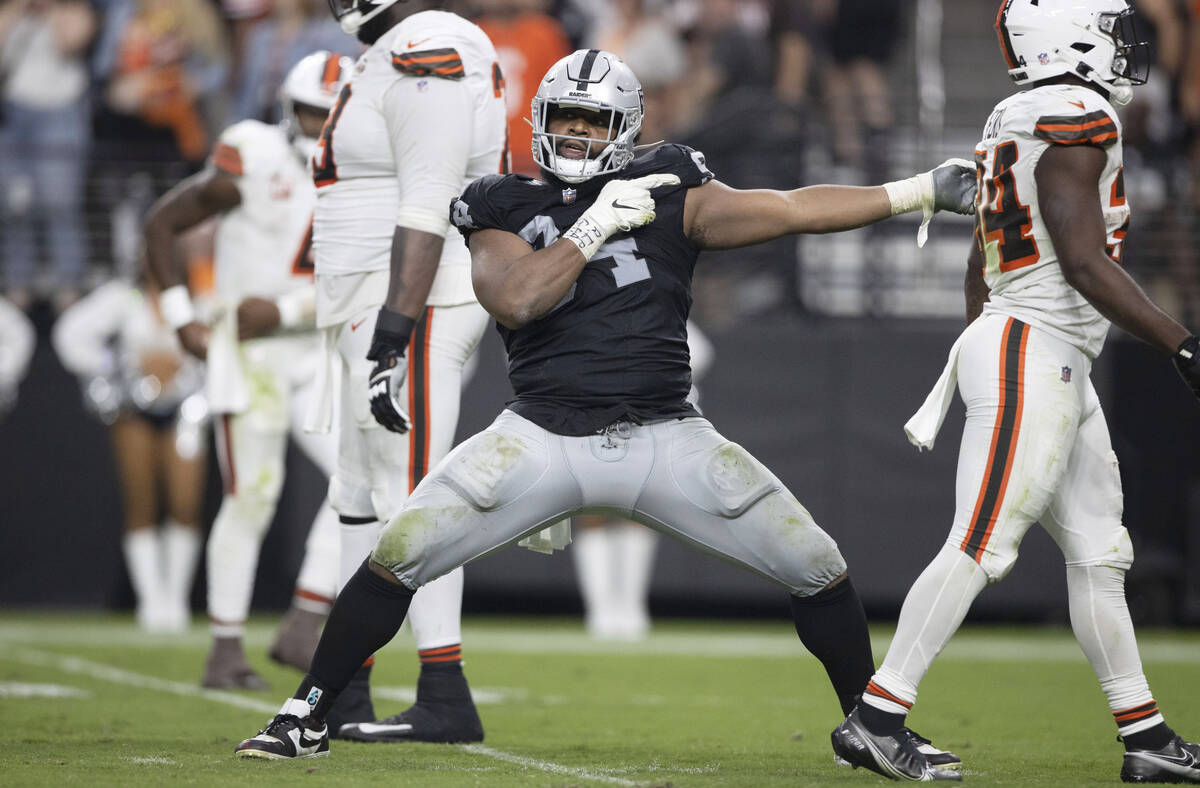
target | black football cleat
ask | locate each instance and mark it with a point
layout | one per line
(895, 757)
(444, 713)
(291, 734)
(1178, 762)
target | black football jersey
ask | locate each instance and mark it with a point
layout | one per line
(616, 346)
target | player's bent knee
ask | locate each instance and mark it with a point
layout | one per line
(729, 482)
(413, 535)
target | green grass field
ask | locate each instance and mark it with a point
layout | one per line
(89, 700)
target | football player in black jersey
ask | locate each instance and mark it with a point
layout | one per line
(588, 274)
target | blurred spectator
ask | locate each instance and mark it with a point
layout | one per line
(17, 340)
(638, 33)
(164, 62)
(729, 109)
(528, 42)
(275, 44)
(863, 36)
(137, 380)
(44, 134)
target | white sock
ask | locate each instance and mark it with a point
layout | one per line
(436, 612)
(1100, 619)
(592, 550)
(232, 551)
(357, 541)
(932, 612)
(181, 544)
(144, 561)
(635, 545)
(319, 570)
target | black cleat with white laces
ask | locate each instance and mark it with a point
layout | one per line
(291, 734)
(1177, 762)
(896, 757)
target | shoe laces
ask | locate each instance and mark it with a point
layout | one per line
(280, 721)
(917, 738)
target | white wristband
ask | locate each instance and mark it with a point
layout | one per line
(587, 235)
(175, 303)
(909, 194)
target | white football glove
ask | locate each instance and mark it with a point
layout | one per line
(621, 205)
(386, 383)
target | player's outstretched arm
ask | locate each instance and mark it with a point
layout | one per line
(717, 216)
(1068, 181)
(517, 285)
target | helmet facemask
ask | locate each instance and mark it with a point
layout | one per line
(601, 156)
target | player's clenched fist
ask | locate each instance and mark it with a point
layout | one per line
(621, 205)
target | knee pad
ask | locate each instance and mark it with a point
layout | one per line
(724, 480)
(1114, 550)
(350, 499)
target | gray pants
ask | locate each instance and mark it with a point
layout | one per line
(679, 477)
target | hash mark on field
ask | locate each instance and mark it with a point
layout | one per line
(21, 689)
(154, 761)
(104, 672)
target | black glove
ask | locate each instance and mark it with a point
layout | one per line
(388, 344)
(954, 187)
(1187, 361)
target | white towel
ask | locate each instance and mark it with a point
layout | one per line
(226, 387)
(553, 537)
(923, 427)
(320, 409)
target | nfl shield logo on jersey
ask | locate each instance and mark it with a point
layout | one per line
(1043, 58)
(1066, 375)
(568, 196)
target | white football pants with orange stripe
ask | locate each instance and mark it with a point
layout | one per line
(377, 469)
(679, 477)
(1035, 448)
(251, 450)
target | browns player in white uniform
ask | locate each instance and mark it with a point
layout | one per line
(1043, 283)
(262, 352)
(422, 116)
(588, 274)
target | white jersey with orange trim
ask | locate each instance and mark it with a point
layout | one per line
(422, 117)
(262, 246)
(1021, 266)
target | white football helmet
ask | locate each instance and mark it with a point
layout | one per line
(315, 82)
(1093, 39)
(595, 80)
(353, 14)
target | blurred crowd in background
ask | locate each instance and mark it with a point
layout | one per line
(106, 103)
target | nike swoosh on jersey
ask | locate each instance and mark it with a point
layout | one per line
(354, 326)
(412, 44)
(375, 727)
(1078, 104)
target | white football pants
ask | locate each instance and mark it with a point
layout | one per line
(679, 477)
(378, 469)
(251, 449)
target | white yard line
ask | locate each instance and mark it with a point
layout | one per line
(545, 766)
(97, 670)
